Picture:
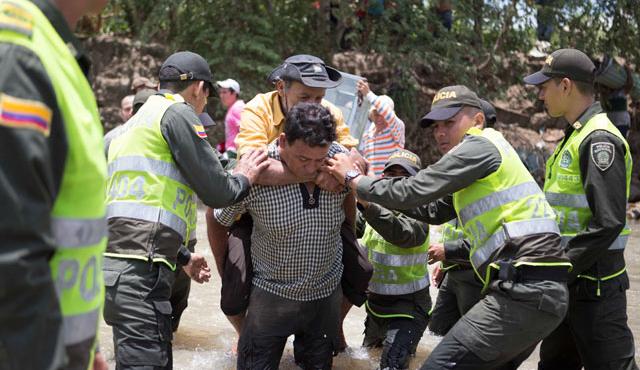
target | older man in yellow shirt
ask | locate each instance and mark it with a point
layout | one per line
(301, 78)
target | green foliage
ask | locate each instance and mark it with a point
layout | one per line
(245, 39)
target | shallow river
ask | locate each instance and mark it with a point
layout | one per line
(205, 338)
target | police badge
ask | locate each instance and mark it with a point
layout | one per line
(566, 159)
(602, 155)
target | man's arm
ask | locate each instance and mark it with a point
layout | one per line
(396, 229)
(472, 159)
(607, 197)
(199, 164)
(434, 213)
(218, 236)
(33, 148)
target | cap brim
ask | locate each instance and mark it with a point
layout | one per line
(412, 171)
(206, 120)
(439, 114)
(335, 79)
(536, 78)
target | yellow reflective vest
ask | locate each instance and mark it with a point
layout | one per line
(77, 218)
(145, 182)
(563, 185)
(504, 205)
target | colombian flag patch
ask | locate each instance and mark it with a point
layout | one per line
(24, 113)
(200, 131)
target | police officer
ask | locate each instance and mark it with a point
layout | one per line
(157, 163)
(514, 239)
(587, 184)
(458, 287)
(52, 174)
(398, 298)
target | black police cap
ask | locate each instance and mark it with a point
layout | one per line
(185, 66)
(570, 63)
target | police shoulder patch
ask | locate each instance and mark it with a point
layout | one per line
(15, 18)
(24, 113)
(602, 155)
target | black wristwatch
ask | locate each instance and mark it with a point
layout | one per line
(350, 175)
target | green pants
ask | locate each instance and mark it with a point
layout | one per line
(595, 333)
(30, 319)
(459, 291)
(501, 330)
(137, 307)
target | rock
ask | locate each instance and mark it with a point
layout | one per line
(116, 61)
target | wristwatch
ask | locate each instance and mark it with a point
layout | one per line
(350, 175)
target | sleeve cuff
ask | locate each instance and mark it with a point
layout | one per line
(371, 212)
(183, 256)
(371, 97)
(362, 189)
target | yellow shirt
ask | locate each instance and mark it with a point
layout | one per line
(262, 121)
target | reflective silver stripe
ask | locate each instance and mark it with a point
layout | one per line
(452, 244)
(147, 213)
(498, 199)
(140, 163)
(567, 200)
(78, 328)
(395, 260)
(512, 230)
(398, 289)
(619, 243)
(78, 232)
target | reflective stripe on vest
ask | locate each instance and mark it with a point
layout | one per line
(398, 260)
(140, 163)
(504, 204)
(146, 213)
(567, 200)
(75, 326)
(619, 243)
(498, 199)
(399, 289)
(512, 230)
(77, 225)
(78, 233)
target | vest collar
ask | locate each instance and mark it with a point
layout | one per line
(168, 94)
(60, 25)
(593, 109)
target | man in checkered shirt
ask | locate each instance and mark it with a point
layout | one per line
(296, 248)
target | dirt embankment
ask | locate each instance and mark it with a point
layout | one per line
(117, 61)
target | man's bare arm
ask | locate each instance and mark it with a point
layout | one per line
(218, 236)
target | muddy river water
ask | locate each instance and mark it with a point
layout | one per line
(205, 338)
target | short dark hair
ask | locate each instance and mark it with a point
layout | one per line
(585, 88)
(312, 123)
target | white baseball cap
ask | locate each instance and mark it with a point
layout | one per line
(229, 84)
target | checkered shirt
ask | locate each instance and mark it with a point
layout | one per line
(296, 251)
